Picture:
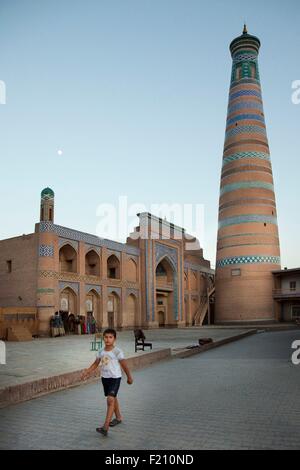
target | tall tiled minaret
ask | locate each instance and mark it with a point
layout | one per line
(248, 244)
(47, 265)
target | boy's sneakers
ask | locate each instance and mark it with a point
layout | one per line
(102, 431)
(114, 422)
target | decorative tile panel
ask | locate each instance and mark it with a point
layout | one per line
(246, 185)
(245, 130)
(251, 259)
(243, 81)
(245, 105)
(111, 289)
(71, 234)
(242, 117)
(147, 281)
(46, 227)
(245, 56)
(46, 250)
(240, 155)
(89, 287)
(152, 274)
(64, 241)
(134, 258)
(135, 292)
(49, 274)
(181, 287)
(249, 218)
(113, 252)
(93, 247)
(161, 251)
(237, 94)
(73, 285)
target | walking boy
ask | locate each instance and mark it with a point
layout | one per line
(111, 359)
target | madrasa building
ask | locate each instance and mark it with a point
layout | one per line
(158, 278)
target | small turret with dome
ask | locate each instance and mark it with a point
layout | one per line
(244, 42)
(47, 193)
(244, 51)
(47, 205)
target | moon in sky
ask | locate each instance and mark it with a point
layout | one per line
(59, 152)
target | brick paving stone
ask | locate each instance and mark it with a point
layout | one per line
(243, 395)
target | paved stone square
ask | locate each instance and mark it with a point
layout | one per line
(244, 395)
(32, 360)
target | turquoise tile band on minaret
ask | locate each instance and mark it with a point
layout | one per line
(251, 259)
(246, 185)
(243, 117)
(246, 219)
(240, 155)
(244, 105)
(245, 130)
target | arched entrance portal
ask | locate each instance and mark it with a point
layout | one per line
(165, 274)
(68, 301)
(130, 319)
(92, 309)
(68, 308)
(161, 319)
(113, 310)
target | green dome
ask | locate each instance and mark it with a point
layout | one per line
(47, 193)
(244, 42)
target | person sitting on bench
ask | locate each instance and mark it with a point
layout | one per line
(140, 341)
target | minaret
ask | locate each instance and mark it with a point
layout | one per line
(248, 244)
(47, 267)
(47, 205)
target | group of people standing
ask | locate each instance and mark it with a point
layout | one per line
(62, 323)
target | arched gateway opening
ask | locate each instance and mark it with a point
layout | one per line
(113, 310)
(68, 308)
(130, 317)
(165, 274)
(93, 311)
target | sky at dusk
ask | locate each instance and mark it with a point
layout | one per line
(128, 98)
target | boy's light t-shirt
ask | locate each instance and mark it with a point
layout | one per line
(110, 366)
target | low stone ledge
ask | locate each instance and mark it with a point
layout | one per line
(214, 344)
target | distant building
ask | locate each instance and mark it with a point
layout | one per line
(286, 294)
(152, 280)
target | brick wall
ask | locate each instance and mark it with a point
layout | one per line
(18, 287)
